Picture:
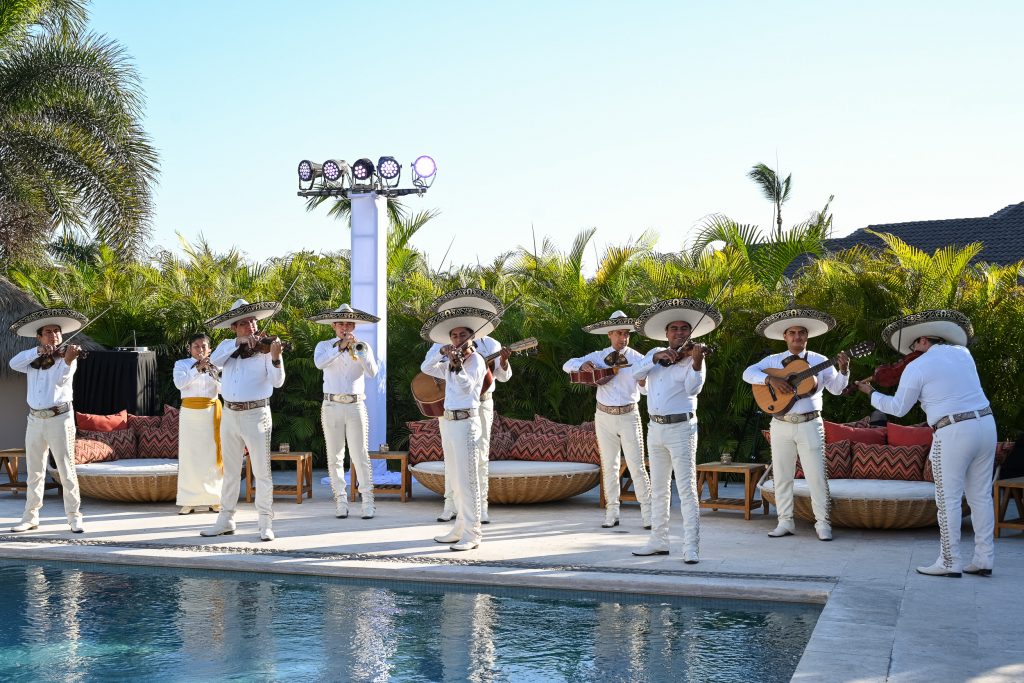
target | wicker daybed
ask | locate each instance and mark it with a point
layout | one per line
(143, 480)
(521, 481)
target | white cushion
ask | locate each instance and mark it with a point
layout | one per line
(517, 468)
(129, 468)
(865, 489)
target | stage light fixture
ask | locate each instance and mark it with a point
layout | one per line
(335, 171)
(389, 170)
(423, 171)
(309, 171)
(363, 170)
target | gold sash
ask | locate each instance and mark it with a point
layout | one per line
(200, 403)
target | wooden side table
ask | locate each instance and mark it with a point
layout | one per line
(626, 492)
(403, 490)
(1002, 491)
(9, 462)
(303, 476)
(708, 473)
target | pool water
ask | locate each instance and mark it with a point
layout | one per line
(60, 622)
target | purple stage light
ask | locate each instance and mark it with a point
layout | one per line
(424, 166)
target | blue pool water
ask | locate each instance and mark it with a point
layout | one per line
(60, 622)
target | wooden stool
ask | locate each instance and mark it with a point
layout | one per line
(403, 490)
(708, 473)
(9, 461)
(1002, 491)
(626, 492)
(303, 476)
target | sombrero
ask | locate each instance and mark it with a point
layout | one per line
(618, 321)
(438, 326)
(951, 326)
(815, 322)
(68, 320)
(343, 313)
(702, 317)
(468, 297)
(242, 309)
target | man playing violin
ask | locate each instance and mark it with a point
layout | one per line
(251, 371)
(944, 379)
(675, 376)
(801, 431)
(346, 362)
(50, 369)
(463, 372)
(200, 459)
(617, 420)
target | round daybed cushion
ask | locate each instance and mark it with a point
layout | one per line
(867, 503)
(521, 481)
(142, 480)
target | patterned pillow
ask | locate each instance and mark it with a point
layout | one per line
(516, 427)
(136, 422)
(542, 425)
(872, 461)
(838, 461)
(425, 443)
(501, 445)
(92, 446)
(170, 419)
(863, 423)
(159, 442)
(541, 447)
(581, 445)
(431, 426)
(101, 423)
(928, 475)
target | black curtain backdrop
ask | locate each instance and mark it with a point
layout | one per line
(108, 382)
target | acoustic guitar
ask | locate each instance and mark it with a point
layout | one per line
(595, 377)
(802, 377)
(428, 392)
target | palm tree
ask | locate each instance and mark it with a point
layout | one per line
(73, 154)
(775, 190)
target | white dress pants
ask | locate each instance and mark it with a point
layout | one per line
(199, 481)
(807, 440)
(58, 435)
(483, 461)
(615, 432)
(241, 429)
(673, 448)
(460, 440)
(346, 423)
(963, 458)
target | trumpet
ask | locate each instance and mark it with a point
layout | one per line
(356, 348)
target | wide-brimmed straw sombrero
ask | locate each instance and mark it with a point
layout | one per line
(242, 309)
(468, 297)
(702, 317)
(618, 321)
(342, 314)
(68, 320)
(815, 322)
(438, 326)
(951, 326)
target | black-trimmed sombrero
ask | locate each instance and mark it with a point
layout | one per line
(618, 321)
(68, 320)
(468, 297)
(815, 322)
(438, 326)
(242, 309)
(952, 326)
(342, 314)
(702, 317)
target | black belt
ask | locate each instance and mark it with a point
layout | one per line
(460, 414)
(247, 405)
(961, 417)
(671, 419)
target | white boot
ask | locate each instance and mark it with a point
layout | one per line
(783, 529)
(450, 537)
(24, 526)
(824, 531)
(975, 569)
(224, 526)
(448, 514)
(76, 524)
(652, 548)
(645, 515)
(368, 507)
(939, 569)
(266, 528)
(466, 544)
(340, 508)
(185, 510)
(611, 517)
(690, 556)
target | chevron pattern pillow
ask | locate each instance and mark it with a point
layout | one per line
(542, 447)
(93, 446)
(501, 444)
(158, 442)
(838, 461)
(515, 427)
(581, 444)
(542, 425)
(137, 422)
(424, 441)
(872, 461)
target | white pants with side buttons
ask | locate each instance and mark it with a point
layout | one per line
(486, 411)
(460, 440)
(241, 429)
(346, 423)
(673, 448)
(806, 439)
(58, 435)
(615, 432)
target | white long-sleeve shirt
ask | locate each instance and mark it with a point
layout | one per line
(461, 389)
(246, 379)
(342, 373)
(829, 378)
(192, 383)
(672, 390)
(944, 379)
(49, 387)
(485, 346)
(623, 388)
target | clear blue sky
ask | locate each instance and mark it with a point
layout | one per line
(568, 115)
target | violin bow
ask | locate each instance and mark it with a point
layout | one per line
(82, 328)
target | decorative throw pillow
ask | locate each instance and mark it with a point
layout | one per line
(898, 435)
(862, 423)
(425, 444)
(581, 445)
(543, 447)
(872, 461)
(170, 420)
(542, 425)
(837, 432)
(838, 461)
(929, 474)
(431, 426)
(501, 445)
(159, 442)
(93, 446)
(516, 427)
(137, 422)
(102, 423)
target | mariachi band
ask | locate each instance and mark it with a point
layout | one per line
(464, 364)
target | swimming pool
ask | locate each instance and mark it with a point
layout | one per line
(96, 622)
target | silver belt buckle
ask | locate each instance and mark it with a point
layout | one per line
(458, 414)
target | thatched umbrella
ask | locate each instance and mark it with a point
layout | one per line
(14, 304)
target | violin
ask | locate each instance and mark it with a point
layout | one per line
(888, 374)
(46, 361)
(684, 352)
(262, 345)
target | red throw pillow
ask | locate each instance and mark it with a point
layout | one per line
(898, 435)
(581, 445)
(872, 461)
(838, 461)
(102, 423)
(837, 432)
(93, 446)
(160, 442)
(543, 447)
(425, 446)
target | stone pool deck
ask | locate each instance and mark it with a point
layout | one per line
(881, 620)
